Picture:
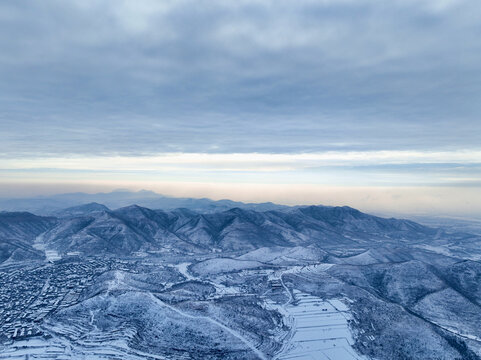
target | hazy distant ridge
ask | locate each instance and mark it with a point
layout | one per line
(55, 204)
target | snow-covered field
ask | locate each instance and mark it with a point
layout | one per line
(320, 330)
(39, 244)
(222, 265)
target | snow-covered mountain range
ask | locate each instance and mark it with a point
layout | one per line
(96, 282)
(94, 229)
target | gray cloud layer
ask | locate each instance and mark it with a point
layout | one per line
(103, 77)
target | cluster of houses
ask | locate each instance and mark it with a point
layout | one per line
(29, 294)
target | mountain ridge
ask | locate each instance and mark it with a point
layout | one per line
(96, 229)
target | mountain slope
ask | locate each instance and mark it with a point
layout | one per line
(80, 210)
(18, 231)
(23, 225)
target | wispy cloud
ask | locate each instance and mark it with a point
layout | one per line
(331, 168)
(247, 161)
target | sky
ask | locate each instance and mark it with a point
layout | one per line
(366, 103)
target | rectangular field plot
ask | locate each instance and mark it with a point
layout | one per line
(320, 332)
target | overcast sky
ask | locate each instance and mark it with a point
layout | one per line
(367, 95)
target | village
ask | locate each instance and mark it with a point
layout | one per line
(29, 294)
